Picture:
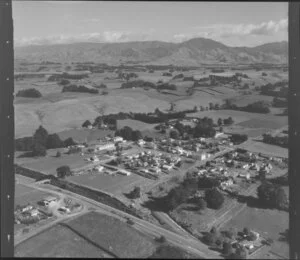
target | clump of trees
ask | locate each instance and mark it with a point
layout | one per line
(40, 142)
(64, 82)
(167, 74)
(238, 138)
(256, 107)
(178, 76)
(214, 198)
(276, 140)
(272, 195)
(135, 193)
(279, 102)
(128, 134)
(63, 171)
(82, 89)
(29, 93)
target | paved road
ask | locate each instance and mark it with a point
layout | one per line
(190, 244)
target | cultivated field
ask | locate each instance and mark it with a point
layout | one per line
(59, 241)
(113, 235)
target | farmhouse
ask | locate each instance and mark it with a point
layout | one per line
(118, 139)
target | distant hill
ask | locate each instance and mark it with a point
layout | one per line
(195, 51)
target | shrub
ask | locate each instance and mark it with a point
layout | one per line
(136, 193)
(246, 231)
(30, 93)
(58, 154)
(161, 239)
(214, 198)
(101, 86)
(69, 142)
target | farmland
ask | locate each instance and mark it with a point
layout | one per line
(25, 195)
(59, 241)
(113, 235)
(269, 222)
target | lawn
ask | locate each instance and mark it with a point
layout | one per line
(269, 223)
(114, 235)
(113, 184)
(58, 241)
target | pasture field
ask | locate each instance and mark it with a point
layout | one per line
(82, 135)
(116, 184)
(268, 149)
(59, 241)
(113, 235)
(244, 100)
(50, 163)
(25, 195)
(135, 124)
(269, 223)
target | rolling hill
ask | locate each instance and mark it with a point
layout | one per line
(195, 51)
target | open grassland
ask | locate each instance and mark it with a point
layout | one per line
(59, 241)
(113, 235)
(116, 184)
(25, 195)
(269, 223)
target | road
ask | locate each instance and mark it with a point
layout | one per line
(190, 244)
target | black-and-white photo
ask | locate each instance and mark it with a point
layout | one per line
(151, 129)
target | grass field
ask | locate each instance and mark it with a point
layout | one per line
(114, 235)
(113, 184)
(134, 124)
(58, 241)
(82, 135)
(50, 163)
(270, 223)
(260, 147)
(25, 195)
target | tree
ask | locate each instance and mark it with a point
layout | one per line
(136, 193)
(63, 171)
(86, 123)
(252, 236)
(213, 230)
(195, 109)
(31, 93)
(246, 231)
(54, 141)
(58, 154)
(201, 203)
(69, 142)
(174, 134)
(211, 106)
(136, 135)
(231, 233)
(220, 122)
(227, 248)
(214, 198)
(38, 150)
(161, 239)
(240, 253)
(41, 136)
(210, 238)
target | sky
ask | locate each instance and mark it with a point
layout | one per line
(232, 23)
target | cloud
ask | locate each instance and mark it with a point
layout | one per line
(106, 36)
(219, 31)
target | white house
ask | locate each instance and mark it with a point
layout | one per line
(105, 146)
(118, 139)
(99, 168)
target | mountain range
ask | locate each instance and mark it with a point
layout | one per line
(193, 52)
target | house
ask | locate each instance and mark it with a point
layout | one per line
(219, 134)
(246, 166)
(124, 172)
(27, 208)
(246, 176)
(49, 200)
(105, 146)
(118, 139)
(34, 212)
(64, 209)
(141, 142)
(99, 168)
(167, 167)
